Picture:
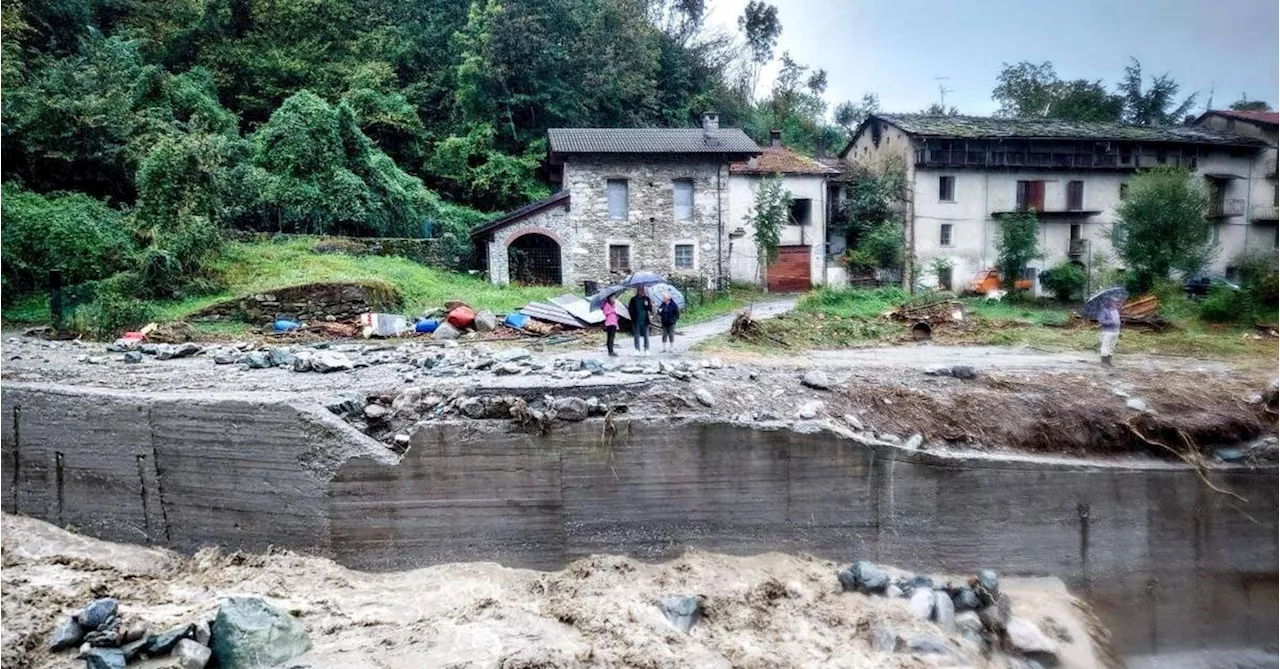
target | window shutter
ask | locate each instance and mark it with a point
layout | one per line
(684, 199)
(617, 193)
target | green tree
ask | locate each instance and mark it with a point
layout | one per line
(1016, 245)
(871, 217)
(1157, 104)
(850, 115)
(1066, 281)
(1245, 104)
(1160, 225)
(760, 26)
(767, 216)
(1030, 90)
(82, 236)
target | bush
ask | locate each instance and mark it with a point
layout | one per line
(112, 310)
(1066, 281)
(1224, 305)
(859, 261)
(1259, 278)
(885, 243)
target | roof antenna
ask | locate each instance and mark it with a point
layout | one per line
(942, 92)
(1208, 104)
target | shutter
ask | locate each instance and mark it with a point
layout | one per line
(617, 193)
(684, 200)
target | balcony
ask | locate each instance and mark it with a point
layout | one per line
(1225, 208)
(1264, 212)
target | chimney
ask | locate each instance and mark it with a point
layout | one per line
(775, 138)
(710, 122)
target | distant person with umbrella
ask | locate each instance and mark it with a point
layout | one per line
(640, 307)
(668, 313)
(610, 309)
(1105, 307)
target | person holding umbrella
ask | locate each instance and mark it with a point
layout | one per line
(640, 307)
(668, 313)
(1109, 321)
(610, 309)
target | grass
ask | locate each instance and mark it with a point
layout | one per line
(247, 268)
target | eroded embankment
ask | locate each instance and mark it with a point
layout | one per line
(1169, 563)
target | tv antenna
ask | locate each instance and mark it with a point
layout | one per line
(942, 91)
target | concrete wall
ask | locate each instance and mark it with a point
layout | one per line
(744, 257)
(1170, 564)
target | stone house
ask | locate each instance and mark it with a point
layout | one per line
(627, 199)
(963, 172)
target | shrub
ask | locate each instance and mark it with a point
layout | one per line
(1066, 281)
(886, 244)
(941, 266)
(1016, 246)
(859, 261)
(1259, 278)
(112, 310)
(1224, 305)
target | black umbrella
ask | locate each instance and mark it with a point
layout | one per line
(597, 300)
(1094, 305)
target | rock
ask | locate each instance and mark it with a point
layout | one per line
(138, 630)
(893, 592)
(508, 369)
(1030, 641)
(1119, 393)
(681, 375)
(963, 372)
(97, 613)
(595, 408)
(248, 633)
(921, 603)
(226, 356)
(281, 356)
(133, 357)
(592, 365)
(965, 599)
(67, 635)
(1056, 630)
(512, 354)
(968, 621)
(990, 581)
(329, 361)
(705, 397)
(651, 369)
(852, 421)
(682, 612)
(256, 360)
(472, 407)
(928, 645)
(1136, 404)
(632, 369)
(106, 636)
(888, 438)
(937, 370)
(191, 655)
(376, 411)
(810, 410)
(485, 321)
(816, 379)
(848, 579)
(1022, 663)
(570, 408)
(104, 658)
(445, 332)
(97, 359)
(133, 650)
(401, 439)
(913, 442)
(1226, 454)
(944, 612)
(871, 578)
(161, 644)
(884, 639)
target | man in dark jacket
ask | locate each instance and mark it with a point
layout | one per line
(640, 307)
(668, 313)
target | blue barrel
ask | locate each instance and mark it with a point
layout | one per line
(516, 321)
(428, 325)
(285, 326)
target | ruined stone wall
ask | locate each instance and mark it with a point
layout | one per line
(444, 251)
(651, 229)
(1168, 563)
(554, 223)
(313, 301)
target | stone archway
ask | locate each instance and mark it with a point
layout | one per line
(534, 259)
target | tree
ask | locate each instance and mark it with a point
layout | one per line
(1161, 226)
(1158, 104)
(767, 216)
(1016, 245)
(850, 115)
(1028, 90)
(759, 24)
(873, 223)
(937, 109)
(1245, 104)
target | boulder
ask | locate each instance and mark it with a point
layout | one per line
(133, 651)
(485, 321)
(592, 365)
(965, 599)
(990, 581)
(871, 578)
(893, 592)
(921, 603)
(330, 361)
(133, 357)
(512, 354)
(682, 612)
(256, 360)
(913, 442)
(191, 655)
(472, 407)
(963, 372)
(944, 612)
(161, 644)
(249, 633)
(104, 658)
(570, 408)
(226, 356)
(445, 332)
(376, 411)
(1027, 639)
(928, 645)
(884, 639)
(1136, 404)
(968, 621)
(97, 613)
(302, 362)
(816, 379)
(852, 421)
(281, 356)
(67, 635)
(810, 410)
(508, 369)
(705, 397)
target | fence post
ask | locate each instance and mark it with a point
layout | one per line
(55, 298)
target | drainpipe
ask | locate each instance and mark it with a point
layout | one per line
(719, 230)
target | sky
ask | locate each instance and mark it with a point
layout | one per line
(899, 49)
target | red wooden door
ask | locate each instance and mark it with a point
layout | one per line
(789, 272)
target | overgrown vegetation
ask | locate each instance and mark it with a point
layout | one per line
(1066, 281)
(767, 216)
(1016, 246)
(1161, 226)
(872, 220)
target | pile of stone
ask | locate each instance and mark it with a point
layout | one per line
(246, 632)
(975, 609)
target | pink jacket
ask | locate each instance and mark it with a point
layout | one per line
(610, 315)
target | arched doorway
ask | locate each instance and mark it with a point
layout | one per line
(534, 258)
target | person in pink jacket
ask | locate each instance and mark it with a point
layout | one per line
(610, 323)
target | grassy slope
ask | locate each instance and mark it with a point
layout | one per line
(247, 268)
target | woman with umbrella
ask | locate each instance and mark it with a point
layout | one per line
(640, 307)
(1105, 307)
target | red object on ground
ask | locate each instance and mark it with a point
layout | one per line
(461, 317)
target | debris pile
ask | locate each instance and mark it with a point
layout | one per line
(933, 308)
(246, 632)
(747, 329)
(1143, 311)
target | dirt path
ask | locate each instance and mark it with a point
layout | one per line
(924, 356)
(693, 335)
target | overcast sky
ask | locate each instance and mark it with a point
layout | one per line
(896, 48)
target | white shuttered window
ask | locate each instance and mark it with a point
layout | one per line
(617, 191)
(684, 199)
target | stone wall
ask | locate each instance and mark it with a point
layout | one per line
(651, 228)
(552, 222)
(445, 251)
(313, 301)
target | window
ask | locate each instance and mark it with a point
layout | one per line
(684, 256)
(1162, 157)
(1126, 155)
(617, 192)
(944, 235)
(619, 258)
(946, 189)
(1075, 232)
(684, 199)
(1124, 190)
(1030, 195)
(1075, 195)
(800, 208)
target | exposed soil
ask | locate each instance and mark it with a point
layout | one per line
(770, 610)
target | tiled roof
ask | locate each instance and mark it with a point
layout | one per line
(650, 140)
(780, 160)
(1267, 117)
(978, 127)
(559, 197)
